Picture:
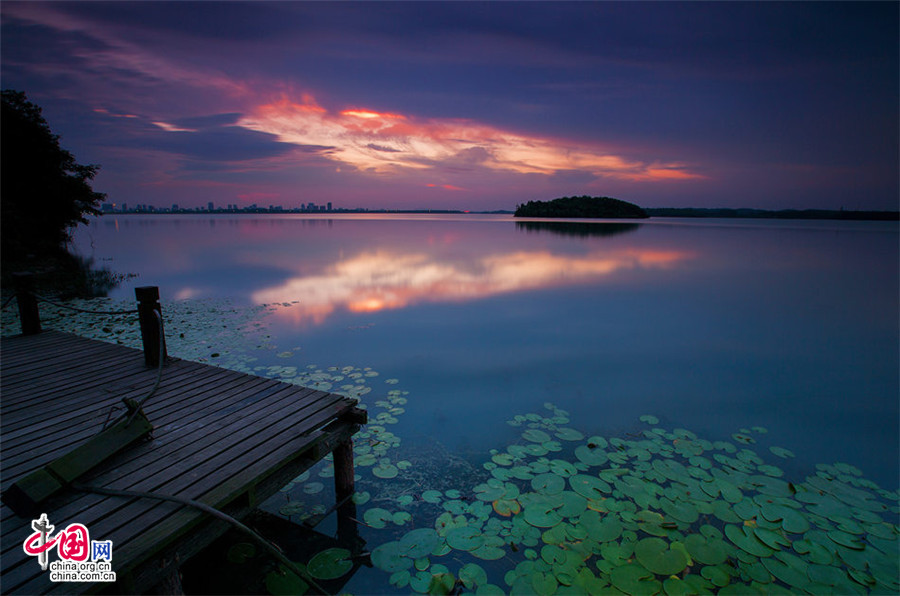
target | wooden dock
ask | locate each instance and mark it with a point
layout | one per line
(227, 439)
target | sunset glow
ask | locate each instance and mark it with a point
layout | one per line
(374, 281)
(385, 143)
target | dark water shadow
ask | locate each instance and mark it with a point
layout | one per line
(65, 275)
(577, 229)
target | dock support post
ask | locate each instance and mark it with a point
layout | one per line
(148, 302)
(29, 315)
(343, 489)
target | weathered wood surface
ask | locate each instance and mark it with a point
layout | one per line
(226, 438)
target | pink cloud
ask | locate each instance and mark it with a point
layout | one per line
(390, 143)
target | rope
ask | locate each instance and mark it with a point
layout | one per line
(8, 300)
(273, 550)
(81, 310)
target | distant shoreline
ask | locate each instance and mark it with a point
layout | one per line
(726, 213)
(685, 212)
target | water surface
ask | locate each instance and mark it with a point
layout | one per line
(710, 325)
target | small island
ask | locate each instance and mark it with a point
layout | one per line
(582, 207)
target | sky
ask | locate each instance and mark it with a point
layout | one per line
(469, 105)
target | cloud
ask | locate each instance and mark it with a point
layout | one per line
(383, 143)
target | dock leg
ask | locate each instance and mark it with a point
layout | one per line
(28, 307)
(170, 584)
(347, 532)
(343, 470)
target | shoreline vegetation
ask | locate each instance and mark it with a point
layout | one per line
(582, 207)
(686, 212)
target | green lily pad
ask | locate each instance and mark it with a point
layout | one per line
(472, 575)
(789, 573)
(680, 510)
(549, 484)
(634, 579)
(377, 517)
(709, 551)
(792, 521)
(746, 540)
(389, 557)
(649, 419)
(656, 556)
(542, 514)
(465, 538)
(284, 583)
(590, 487)
(536, 436)
(845, 539)
(432, 496)
(486, 492)
(330, 564)
(591, 456)
(781, 452)
(385, 470)
(716, 575)
(568, 434)
(419, 542)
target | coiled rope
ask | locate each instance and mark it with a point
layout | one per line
(272, 549)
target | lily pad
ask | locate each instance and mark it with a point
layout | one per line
(649, 419)
(746, 540)
(284, 583)
(536, 436)
(709, 551)
(419, 542)
(656, 556)
(389, 557)
(590, 487)
(549, 484)
(591, 456)
(465, 538)
(331, 563)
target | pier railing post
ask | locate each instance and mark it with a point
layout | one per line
(29, 315)
(148, 303)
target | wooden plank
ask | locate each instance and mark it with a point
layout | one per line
(157, 458)
(223, 436)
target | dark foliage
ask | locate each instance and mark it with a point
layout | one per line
(594, 207)
(44, 190)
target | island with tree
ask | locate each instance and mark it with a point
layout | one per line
(582, 207)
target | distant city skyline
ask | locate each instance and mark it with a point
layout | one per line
(469, 106)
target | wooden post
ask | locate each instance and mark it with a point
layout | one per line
(148, 302)
(343, 489)
(343, 470)
(29, 315)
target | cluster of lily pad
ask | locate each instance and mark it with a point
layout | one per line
(659, 512)
(209, 330)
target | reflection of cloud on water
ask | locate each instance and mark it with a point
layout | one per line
(384, 280)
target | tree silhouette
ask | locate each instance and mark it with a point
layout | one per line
(43, 190)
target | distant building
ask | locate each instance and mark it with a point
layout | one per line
(329, 205)
(210, 206)
(174, 206)
(124, 207)
(107, 207)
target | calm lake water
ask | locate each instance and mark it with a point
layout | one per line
(712, 326)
